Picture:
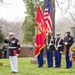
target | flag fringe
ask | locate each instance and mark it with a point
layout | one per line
(40, 50)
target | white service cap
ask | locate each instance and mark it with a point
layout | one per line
(11, 33)
(58, 33)
(67, 31)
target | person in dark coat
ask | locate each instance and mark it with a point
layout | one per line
(14, 51)
(68, 41)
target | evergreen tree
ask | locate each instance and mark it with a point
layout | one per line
(28, 26)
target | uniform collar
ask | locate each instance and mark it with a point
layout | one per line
(13, 39)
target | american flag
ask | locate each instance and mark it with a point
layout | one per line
(47, 16)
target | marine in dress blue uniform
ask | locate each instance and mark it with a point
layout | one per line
(59, 46)
(49, 49)
(40, 59)
(14, 50)
(68, 41)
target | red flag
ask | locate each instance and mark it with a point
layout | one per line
(40, 30)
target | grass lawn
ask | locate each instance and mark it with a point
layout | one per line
(26, 68)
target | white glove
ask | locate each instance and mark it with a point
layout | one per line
(66, 43)
(17, 55)
(70, 55)
(60, 51)
(7, 37)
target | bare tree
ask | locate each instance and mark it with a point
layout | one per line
(67, 7)
(2, 3)
(12, 27)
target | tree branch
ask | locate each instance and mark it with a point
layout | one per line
(3, 3)
(59, 6)
(61, 2)
(71, 3)
(68, 6)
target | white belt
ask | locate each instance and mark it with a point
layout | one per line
(66, 43)
(59, 45)
(12, 47)
(50, 44)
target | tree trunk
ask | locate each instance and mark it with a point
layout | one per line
(0, 53)
(53, 15)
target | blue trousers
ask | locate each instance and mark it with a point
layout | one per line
(68, 62)
(49, 55)
(57, 55)
(40, 59)
(5, 54)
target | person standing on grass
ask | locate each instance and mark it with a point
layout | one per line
(14, 50)
(59, 46)
(68, 41)
(49, 49)
(72, 53)
(40, 59)
(4, 49)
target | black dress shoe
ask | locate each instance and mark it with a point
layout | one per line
(57, 66)
(13, 72)
(67, 67)
(39, 66)
(49, 66)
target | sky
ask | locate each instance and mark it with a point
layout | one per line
(12, 10)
